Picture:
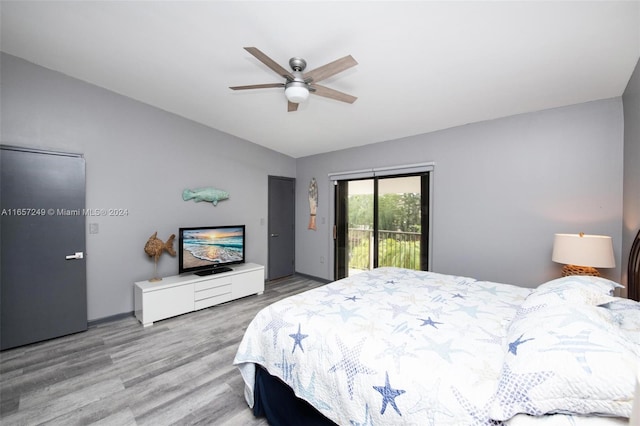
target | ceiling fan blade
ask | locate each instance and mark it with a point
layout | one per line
(257, 86)
(333, 94)
(292, 106)
(331, 68)
(269, 62)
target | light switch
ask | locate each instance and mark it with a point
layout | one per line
(94, 228)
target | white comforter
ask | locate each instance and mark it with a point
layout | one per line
(392, 346)
(389, 346)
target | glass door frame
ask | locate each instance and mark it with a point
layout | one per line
(341, 202)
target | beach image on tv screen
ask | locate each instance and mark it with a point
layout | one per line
(211, 246)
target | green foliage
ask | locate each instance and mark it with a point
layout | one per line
(399, 249)
(403, 254)
(361, 211)
(359, 255)
(396, 212)
(398, 215)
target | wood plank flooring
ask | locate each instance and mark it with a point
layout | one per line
(177, 372)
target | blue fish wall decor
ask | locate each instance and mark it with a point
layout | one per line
(211, 195)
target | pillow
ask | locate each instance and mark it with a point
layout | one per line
(595, 283)
(626, 312)
(568, 359)
(573, 289)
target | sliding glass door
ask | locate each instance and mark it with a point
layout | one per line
(381, 221)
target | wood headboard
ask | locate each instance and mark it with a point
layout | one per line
(633, 272)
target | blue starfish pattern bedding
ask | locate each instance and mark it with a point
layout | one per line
(395, 346)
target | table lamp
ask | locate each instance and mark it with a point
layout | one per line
(582, 253)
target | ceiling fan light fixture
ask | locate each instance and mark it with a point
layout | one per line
(296, 92)
(298, 84)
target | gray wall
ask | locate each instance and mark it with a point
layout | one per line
(631, 210)
(138, 158)
(502, 189)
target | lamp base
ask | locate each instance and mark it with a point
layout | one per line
(569, 270)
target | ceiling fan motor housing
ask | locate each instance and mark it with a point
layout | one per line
(297, 64)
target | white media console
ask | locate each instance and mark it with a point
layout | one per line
(180, 294)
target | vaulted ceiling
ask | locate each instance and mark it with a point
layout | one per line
(422, 65)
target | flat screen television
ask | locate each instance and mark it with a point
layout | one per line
(209, 250)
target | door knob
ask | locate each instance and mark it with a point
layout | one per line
(275, 235)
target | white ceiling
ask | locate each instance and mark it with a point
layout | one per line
(423, 65)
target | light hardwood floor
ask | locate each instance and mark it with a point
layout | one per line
(177, 372)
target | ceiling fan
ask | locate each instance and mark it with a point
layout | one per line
(299, 83)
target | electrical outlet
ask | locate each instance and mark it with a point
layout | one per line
(321, 259)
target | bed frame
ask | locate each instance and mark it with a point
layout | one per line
(276, 401)
(633, 271)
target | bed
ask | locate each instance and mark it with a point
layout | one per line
(394, 346)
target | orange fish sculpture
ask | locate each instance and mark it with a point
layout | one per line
(155, 247)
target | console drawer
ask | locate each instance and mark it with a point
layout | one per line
(205, 285)
(212, 300)
(212, 292)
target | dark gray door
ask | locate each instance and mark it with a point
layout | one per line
(281, 227)
(42, 199)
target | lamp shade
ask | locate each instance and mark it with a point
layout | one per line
(584, 250)
(296, 93)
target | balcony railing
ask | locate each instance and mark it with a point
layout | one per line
(395, 248)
